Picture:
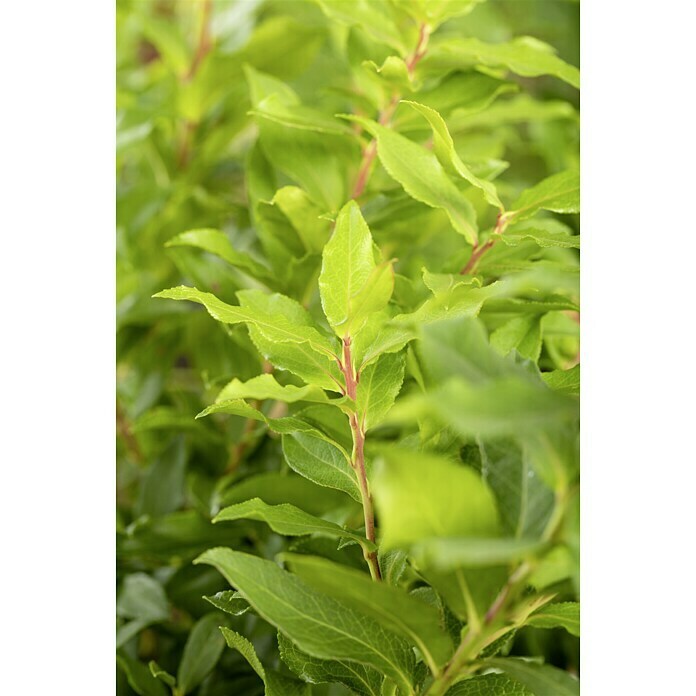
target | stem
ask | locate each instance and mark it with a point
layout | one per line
(386, 114)
(205, 44)
(480, 250)
(476, 640)
(358, 458)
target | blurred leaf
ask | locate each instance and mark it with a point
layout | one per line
(562, 614)
(420, 495)
(201, 652)
(540, 679)
(524, 56)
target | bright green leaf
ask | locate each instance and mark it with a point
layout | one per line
(420, 173)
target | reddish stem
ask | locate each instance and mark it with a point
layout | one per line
(386, 114)
(479, 250)
(358, 459)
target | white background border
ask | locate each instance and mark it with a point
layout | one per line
(57, 347)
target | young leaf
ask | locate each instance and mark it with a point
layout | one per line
(266, 387)
(378, 387)
(443, 145)
(288, 520)
(392, 607)
(422, 176)
(563, 614)
(559, 193)
(351, 284)
(161, 674)
(539, 679)
(230, 602)
(201, 652)
(524, 56)
(421, 495)
(321, 461)
(320, 625)
(362, 680)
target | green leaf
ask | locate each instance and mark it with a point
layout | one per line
(140, 678)
(266, 387)
(142, 597)
(217, 242)
(419, 496)
(378, 387)
(161, 674)
(500, 408)
(371, 17)
(201, 652)
(559, 193)
(243, 646)
(542, 237)
(321, 461)
(351, 284)
(522, 334)
(564, 381)
(422, 176)
(320, 625)
(563, 614)
(280, 487)
(392, 607)
(273, 326)
(490, 685)
(289, 520)
(304, 216)
(450, 554)
(524, 56)
(362, 680)
(435, 12)
(279, 109)
(525, 502)
(303, 360)
(230, 602)
(443, 145)
(277, 324)
(276, 684)
(317, 161)
(539, 679)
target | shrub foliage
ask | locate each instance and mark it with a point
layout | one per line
(348, 366)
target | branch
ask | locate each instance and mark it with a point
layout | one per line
(387, 113)
(479, 250)
(358, 458)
